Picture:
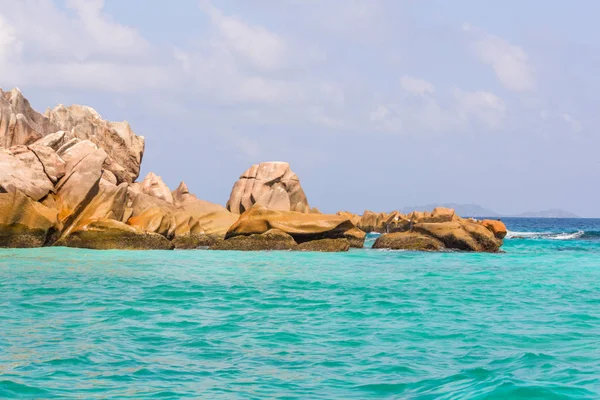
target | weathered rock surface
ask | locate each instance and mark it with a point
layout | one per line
(154, 186)
(124, 149)
(408, 241)
(79, 186)
(111, 234)
(497, 227)
(272, 239)
(326, 245)
(270, 184)
(21, 170)
(302, 227)
(24, 222)
(19, 123)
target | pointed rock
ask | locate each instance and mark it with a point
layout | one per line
(154, 186)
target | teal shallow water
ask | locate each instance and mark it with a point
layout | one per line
(366, 324)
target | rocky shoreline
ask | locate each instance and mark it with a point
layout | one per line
(70, 178)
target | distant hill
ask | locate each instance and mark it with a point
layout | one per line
(464, 210)
(473, 210)
(552, 213)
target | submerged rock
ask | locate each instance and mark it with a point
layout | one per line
(272, 185)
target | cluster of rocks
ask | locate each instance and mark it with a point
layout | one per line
(431, 231)
(69, 178)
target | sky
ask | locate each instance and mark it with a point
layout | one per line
(376, 104)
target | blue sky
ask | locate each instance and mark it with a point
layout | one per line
(376, 104)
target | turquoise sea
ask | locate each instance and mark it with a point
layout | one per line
(364, 324)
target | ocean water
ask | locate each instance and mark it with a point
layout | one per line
(365, 324)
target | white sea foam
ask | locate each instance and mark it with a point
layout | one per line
(545, 235)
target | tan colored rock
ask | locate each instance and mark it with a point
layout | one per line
(54, 140)
(111, 234)
(303, 227)
(270, 184)
(54, 166)
(352, 217)
(381, 222)
(156, 220)
(326, 245)
(19, 123)
(213, 219)
(21, 170)
(497, 227)
(461, 235)
(273, 239)
(355, 237)
(24, 222)
(154, 186)
(408, 241)
(124, 149)
(79, 186)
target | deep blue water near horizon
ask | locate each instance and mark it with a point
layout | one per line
(364, 324)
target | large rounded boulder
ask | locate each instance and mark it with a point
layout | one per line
(272, 185)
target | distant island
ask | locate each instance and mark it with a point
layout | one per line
(476, 211)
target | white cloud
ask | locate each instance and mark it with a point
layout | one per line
(45, 46)
(416, 86)
(575, 124)
(482, 106)
(264, 49)
(510, 62)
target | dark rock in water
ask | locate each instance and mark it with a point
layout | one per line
(110, 234)
(408, 241)
(273, 239)
(195, 241)
(326, 245)
(355, 237)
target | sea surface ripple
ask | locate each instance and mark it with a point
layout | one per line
(364, 324)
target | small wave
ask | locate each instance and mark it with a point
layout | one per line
(546, 235)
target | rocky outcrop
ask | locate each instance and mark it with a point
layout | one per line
(302, 227)
(111, 234)
(24, 222)
(21, 170)
(19, 123)
(67, 178)
(272, 185)
(442, 229)
(124, 149)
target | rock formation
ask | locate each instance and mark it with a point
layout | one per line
(302, 227)
(442, 229)
(68, 178)
(270, 184)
